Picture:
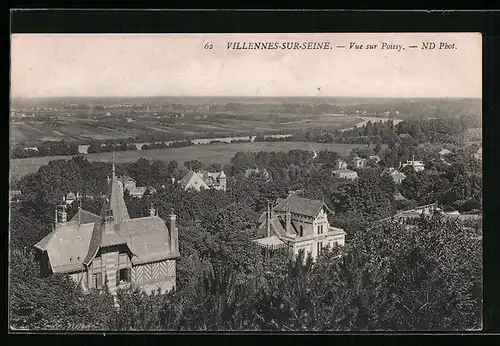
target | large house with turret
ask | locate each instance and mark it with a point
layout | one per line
(112, 250)
(297, 223)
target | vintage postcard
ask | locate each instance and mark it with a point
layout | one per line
(246, 182)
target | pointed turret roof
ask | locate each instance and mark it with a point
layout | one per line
(73, 246)
(114, 199)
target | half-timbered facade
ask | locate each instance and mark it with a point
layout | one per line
(112, 250)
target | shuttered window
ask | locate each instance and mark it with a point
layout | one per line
(319, 247)
(97, 280)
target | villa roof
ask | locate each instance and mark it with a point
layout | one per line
(115, 201)
(83, 216)
(67, 245)
(185, 180)
(73, 245)
(299, 205)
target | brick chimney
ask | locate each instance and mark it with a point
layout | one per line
(61, 216)
(152, 211)
(174, 246)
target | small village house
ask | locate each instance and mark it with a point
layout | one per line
(358, 162)
(204, 180)
(112, 250)
(399, 197)
(342, 172)
(396, 175)
(70, 198)
(251, 171)
(297, 223)
(418, 166)
(374, 158)
(130, 185)
(345, 174)
(409, 217)
(340, 164)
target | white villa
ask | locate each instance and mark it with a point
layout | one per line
(296, 223)
(418, 166)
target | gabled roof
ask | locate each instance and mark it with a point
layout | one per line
(185, 180)
(115, 201)
(74, 245)
(276, 227)
(214, 175)
(83, 216)
(399, 197)
(193, 177)
(357, 158)
(67, 246)
(397, 175)
(394, 173)
(146, 237)
(302, 206)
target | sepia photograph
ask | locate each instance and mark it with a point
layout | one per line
(312, 182)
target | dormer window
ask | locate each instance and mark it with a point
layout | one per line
(71, 259)
(108, 213)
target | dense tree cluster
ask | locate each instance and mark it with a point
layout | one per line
(160, 145)
(387, 278)
(61, 148)
(426, 277)
(440, 130)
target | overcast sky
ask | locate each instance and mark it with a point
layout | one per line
(177, 65)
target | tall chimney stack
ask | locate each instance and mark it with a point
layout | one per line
(174, 246)
(64, 216)
(61, 216)
(152, 211)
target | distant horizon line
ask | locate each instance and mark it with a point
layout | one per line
(254, 97)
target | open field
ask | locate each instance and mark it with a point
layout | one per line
(210, 153)
(176, 118)
(83, 130)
